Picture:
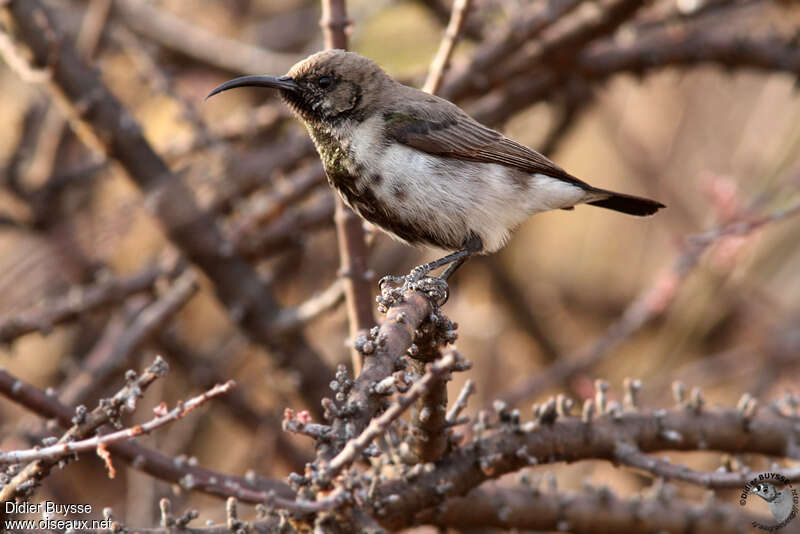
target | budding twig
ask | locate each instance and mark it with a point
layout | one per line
(64, 449)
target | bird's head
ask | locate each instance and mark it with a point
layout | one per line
(326, 87)
(765, 490)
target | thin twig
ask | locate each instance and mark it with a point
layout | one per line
(631, 456)
(55, 452)
(651, 303)
(102, 363)
(182, 473)
(83, 425)
(77, 302)
(353, 250)
(441, 60)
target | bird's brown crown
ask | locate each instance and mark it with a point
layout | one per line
(335, 83)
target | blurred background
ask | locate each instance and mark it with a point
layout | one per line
(712, 134)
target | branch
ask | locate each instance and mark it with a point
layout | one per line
(382, 351)
(353, 251)
(629, 455)
(291, 319)
(77, 302)
(189, 477)
(441, 60)
(114, 356)
(56, 452)
(531, 23)
(650, 304)
(83, 424)
(571, 439)
(197, 43)
(556, 51)
(194, 232)
(380, 424)
(594, 511)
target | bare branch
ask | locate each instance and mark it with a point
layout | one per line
(113, 357)
(196, 233)
(78, 302)
(629, 455)
(441, 60)
(163, 467)
(353, 252)
(83, 425)
(526, 507)
(512, 448)
(202, 45)
(61, 450)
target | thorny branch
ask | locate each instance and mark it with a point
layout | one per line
(55, 452)
(371, 465)
(84, 424)
(176, 470)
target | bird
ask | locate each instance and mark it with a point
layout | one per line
(419, 167)
(780, 502)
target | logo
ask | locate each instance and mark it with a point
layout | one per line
(781, 498)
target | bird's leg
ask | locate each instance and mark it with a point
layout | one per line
(458, 257)
(472, 246)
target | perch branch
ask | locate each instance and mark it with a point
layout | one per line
(353, 251)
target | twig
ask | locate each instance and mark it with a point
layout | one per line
(596, 509)
(197, 43)
(268, 208)
(56, 452)
(293, 318)
(381, 353)
(102, 363)
(78, 302)
(461, 402)
(207, 371)
(488, 70)
(631, 456)
(512, 448)
(83, 425)
(651, 303)
(15, 60)
(380, 424)
(441, 60)
(238, 285)
(190, 477)
(349, 227)
(288, 229)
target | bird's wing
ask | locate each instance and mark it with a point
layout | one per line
(445, 130)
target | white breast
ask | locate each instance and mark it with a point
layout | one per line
(453, 198)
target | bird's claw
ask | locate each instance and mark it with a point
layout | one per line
(436, 288)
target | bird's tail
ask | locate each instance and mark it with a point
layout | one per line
(630, 204)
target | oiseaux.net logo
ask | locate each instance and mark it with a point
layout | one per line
(781, 498)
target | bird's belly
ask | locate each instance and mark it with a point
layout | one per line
(454, 199)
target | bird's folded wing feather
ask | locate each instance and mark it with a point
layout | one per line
(450, 132)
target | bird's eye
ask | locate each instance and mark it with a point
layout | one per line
(324, 82)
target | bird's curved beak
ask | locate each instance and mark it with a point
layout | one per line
(282, 82)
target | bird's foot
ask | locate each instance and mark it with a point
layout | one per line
(436, 288)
